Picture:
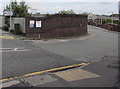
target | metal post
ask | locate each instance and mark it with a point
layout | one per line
(10, 20)
(112, 18)
(101, 20)
(39, 36)
(10, 23)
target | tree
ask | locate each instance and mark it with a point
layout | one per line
(66, 12)
(106, 21)
(19, 9)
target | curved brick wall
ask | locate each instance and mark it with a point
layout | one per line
(58, 26)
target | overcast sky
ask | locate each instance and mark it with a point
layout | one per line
(79, 6)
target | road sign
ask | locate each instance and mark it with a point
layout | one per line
(7, 13)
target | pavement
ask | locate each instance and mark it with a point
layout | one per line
(98, 74)
(99, 48)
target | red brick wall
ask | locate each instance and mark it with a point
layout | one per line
(58, 26)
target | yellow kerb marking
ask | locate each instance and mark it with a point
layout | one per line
(35, 73)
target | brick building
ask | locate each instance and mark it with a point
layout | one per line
(55, 26)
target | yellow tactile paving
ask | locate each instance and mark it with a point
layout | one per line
(6, 37)
(76, 74)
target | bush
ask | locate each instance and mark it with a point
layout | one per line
(116, 22)
(5, 27)
(106, 21)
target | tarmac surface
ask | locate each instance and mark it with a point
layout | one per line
(24, 57)
(98, 44)
(99, 74)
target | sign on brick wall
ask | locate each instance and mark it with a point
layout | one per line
(38, 23)
(31, 24)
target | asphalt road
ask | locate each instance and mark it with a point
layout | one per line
(16, 63)
(38, 56)
(100, 43)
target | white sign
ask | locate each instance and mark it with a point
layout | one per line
(31, 23)
(7, 13)
(38, 23)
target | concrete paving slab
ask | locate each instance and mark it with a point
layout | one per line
(76, 74)
(39, 79)
(22, 84)
(53, 84)
(8, 84)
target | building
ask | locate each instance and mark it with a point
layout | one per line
(1, 21)
(20, 21)
(55, 26)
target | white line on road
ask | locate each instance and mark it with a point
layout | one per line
(13, 49)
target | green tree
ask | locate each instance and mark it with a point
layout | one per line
(106, 21)
(66, 12)
(116, 22)
(19, 9)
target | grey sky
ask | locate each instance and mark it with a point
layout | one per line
(53, 7)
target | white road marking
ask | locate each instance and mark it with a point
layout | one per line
(13, 49)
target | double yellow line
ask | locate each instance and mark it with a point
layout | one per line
(40, 72)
